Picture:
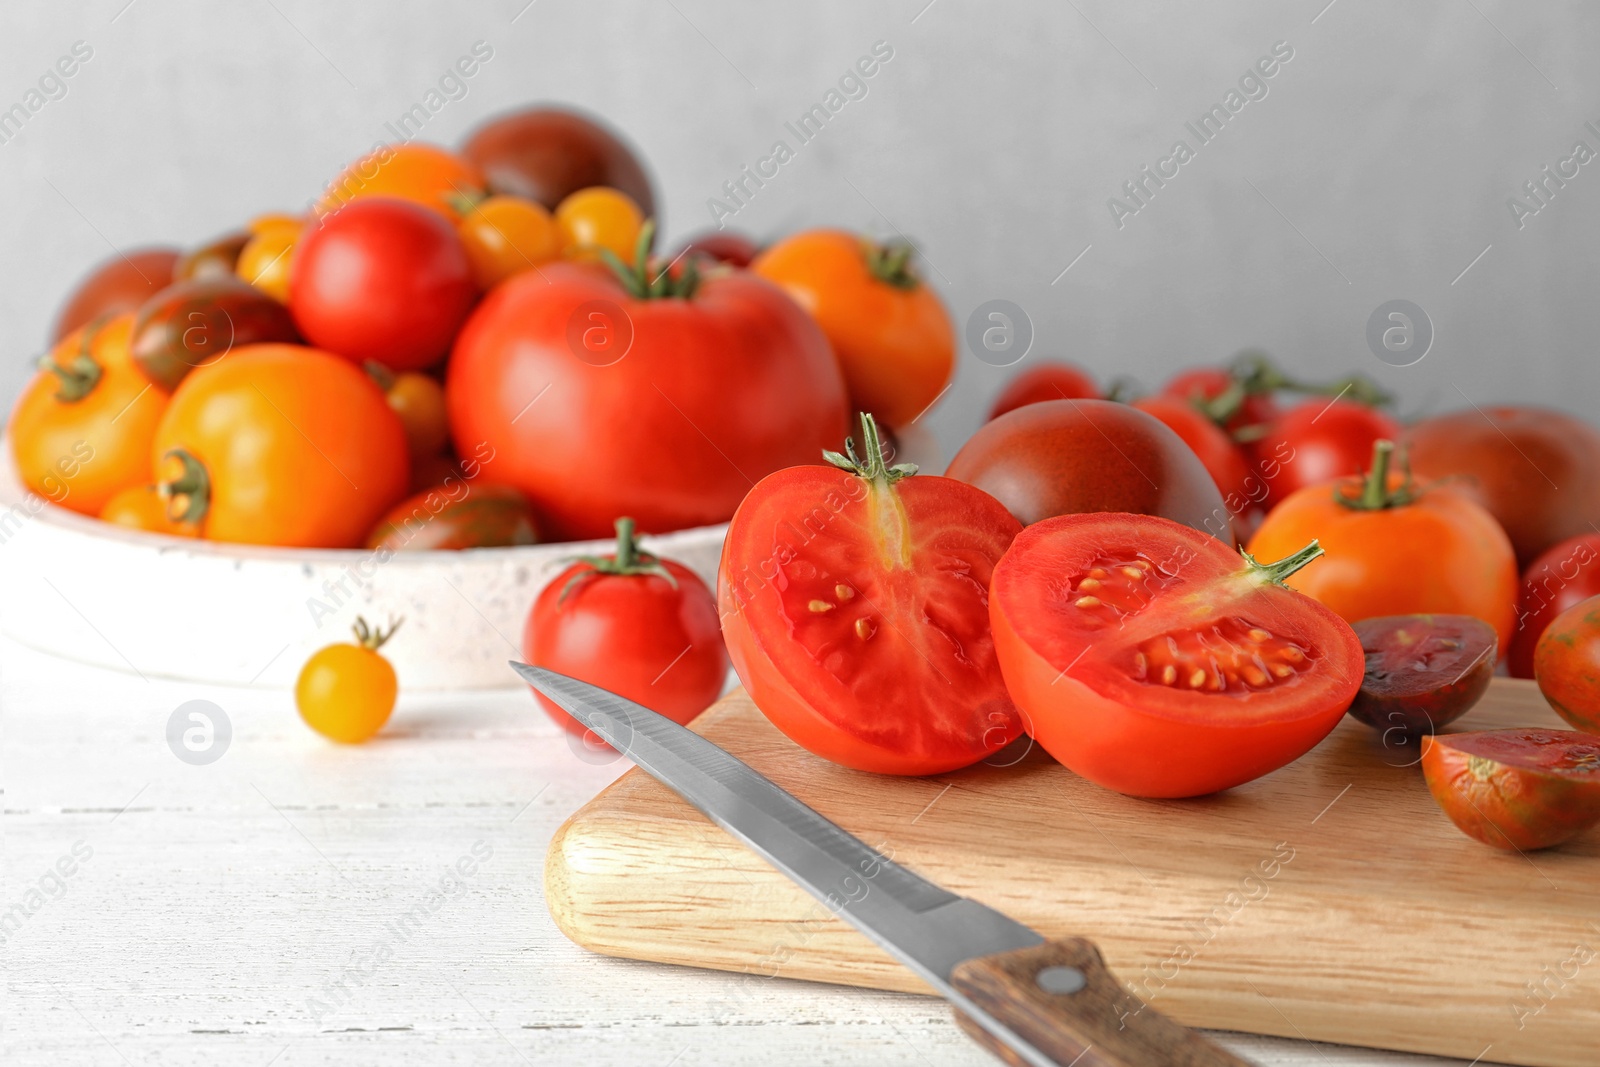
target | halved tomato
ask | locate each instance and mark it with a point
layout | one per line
(1516, 789)
(1151, 659)
(855, 608)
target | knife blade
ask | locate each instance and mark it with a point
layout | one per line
(1027, 999)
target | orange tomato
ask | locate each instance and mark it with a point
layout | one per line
(424, 173)
(419, 401)
(81, 429)
(346, 692)
(142, 507)
(888, 327)
(599, 217)
(266, 257)
(1394, 548)
(281, 445)
(507, 235)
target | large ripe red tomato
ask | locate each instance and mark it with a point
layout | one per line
(1516, 789)
(1063, 457)
(1045, 381)
(1318, 441)
(1536, 470)
(854, 604)
(1566, 574)
(667, 407)
(642, 627)
(382, 279)
(1153, 660)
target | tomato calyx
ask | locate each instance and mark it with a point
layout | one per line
(890, 263)
(629, 560)
(871, 466)
(637, 278)
(1275, 573)
(188, 496)
(371, 637)
(380, 374)
(1376, 494)
(1253, 373)
(77, 378)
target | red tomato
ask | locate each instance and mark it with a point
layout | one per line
(1149, 658)
(642, 627)
(665, 407)
(1046, 381)
(1242, 408)
(382, 279)
(1565, 575)
(1220, 455)
(1320, 441)
(1567, 664)
(1516, 789)
(854, 603)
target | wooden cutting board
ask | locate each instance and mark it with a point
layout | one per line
(1331, 900)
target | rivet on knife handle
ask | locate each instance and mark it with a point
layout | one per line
(1060, 998)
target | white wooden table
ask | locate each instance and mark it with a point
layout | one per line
(283, 904)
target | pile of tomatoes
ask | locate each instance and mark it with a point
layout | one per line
(470, 348)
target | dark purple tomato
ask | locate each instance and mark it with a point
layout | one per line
(1423, 671)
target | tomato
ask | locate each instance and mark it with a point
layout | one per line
(1536, 470)
(190, 324)
(1320, 440)
(1566, 663)
(1516, 789)
(545, 154)
(1563, 576)
(346, 692)
(421, 173)
(642, 627)
(142, 507)
(116, 286)
(888, 327)
(1149, 658)
(217, 256)
(1045, 381)
(281, 445)
(854, 603)
(598, 218)
(506, 235)
(1062, 457)
(457, 514)
(418, 399)
(267, 260)
(81, 428)
(721, 246)
(1423, 671)
(1396, 548)
(1210, 444)
(1237, 403)
(664, 401)
(383, 280)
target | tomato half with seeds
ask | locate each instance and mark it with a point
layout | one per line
(1516, 789)
(854, 602)
(1152, 659)
(1423, 671)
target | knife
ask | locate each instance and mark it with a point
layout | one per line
(1028, 1000)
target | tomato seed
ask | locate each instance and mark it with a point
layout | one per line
(865, 629)
(1258, 635)
(843, 592)
(1088, 585)
(1197, 679)
(1088, 602)
(1169, 674)
(820, 606)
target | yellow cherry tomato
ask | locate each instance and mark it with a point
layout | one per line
(264, 261)
(346, 692)
(419, 401)
(142, 507)
(507, 235)
(598, 217)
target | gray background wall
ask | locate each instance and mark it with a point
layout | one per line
(1377, 166)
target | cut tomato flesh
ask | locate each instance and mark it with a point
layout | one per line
(1566, 753)
(861, 627)
(1153, 659)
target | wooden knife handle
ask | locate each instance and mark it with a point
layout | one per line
(1060, 997)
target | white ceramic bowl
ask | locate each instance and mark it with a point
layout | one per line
(245, 615)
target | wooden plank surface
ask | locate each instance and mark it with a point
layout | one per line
(1330, 900)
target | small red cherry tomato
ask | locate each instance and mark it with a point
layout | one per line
(1566, 574)
(642, 627)
(1046, 381)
